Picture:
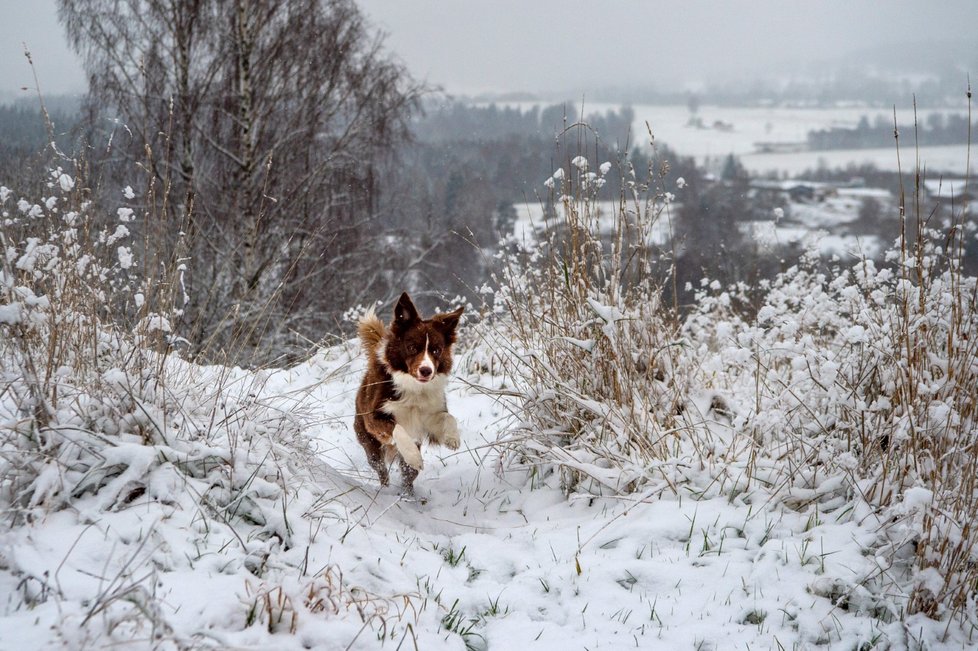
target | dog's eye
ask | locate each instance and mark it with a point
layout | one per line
(435, 350)
(412, 349)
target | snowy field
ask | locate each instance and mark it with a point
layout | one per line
(485, 559)
(749, 126)
(947, 158)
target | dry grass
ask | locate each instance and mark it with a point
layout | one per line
(593, 348)
(279, 608)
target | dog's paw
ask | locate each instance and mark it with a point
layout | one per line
(450, 437)
(407, 448)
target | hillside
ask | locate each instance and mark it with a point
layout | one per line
(800, 478)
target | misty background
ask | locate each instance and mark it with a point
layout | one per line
(766, 126)
(575, 49)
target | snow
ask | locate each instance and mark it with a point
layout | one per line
(942, 157)
(948, 188)
(530, 221)
(10, 314)
(154, 322)
(124, 254)
(119, 233)
(517, 565)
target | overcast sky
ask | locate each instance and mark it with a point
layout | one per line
(553, 45)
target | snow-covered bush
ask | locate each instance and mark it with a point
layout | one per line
(862, 401)
(77, 327)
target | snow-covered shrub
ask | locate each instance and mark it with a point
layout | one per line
(857, 395)
(98, 415)
(592, 349)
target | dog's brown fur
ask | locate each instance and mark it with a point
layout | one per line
(401, 400)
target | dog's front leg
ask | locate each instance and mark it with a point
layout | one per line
(444, 430)
(407, 447)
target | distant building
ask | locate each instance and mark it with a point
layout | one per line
(780, 147)
(796, 190)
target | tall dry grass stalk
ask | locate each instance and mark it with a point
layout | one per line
(593, 346)
(937, 393)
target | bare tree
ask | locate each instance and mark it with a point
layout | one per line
(267, 121)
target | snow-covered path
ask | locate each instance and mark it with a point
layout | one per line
(513, 564)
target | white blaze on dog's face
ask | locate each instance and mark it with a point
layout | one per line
(427, 367)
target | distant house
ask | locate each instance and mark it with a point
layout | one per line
(779, 147)
(796, 190)
(802, 193)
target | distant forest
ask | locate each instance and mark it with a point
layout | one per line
(937, 129)
(24, 136)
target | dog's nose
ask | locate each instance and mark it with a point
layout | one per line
(425, 371)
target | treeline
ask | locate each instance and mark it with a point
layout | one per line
(448, 120)
(25, 133)
(937, 129)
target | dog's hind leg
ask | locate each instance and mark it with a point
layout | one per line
(374, 450)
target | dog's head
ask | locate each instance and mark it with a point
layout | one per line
(418, 347)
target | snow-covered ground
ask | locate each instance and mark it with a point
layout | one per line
(487, 559)
(823, 225)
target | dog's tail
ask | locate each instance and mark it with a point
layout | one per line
(371, 332)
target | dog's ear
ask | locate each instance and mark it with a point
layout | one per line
(404, 312)
(447, 322)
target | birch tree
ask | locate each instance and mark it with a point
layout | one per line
(265, 122)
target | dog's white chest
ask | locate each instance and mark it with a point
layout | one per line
(420, 407)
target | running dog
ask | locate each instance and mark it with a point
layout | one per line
(401, 401)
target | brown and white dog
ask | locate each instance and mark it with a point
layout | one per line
(401, 400)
